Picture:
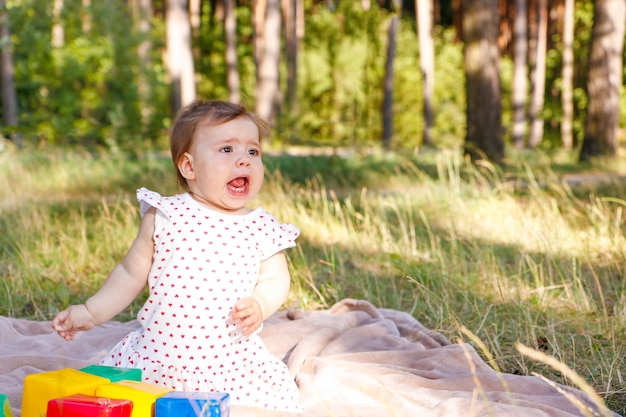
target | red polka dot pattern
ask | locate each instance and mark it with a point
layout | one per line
(204, 261)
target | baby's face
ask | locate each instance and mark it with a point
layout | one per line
(224, 168)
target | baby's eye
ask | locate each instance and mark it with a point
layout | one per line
(254, 152)
(226, 149)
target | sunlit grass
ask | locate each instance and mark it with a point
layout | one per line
(480, 255)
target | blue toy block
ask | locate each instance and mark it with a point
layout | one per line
(193, 404)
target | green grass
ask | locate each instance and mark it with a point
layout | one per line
(486, 256)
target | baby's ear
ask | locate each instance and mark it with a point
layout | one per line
(185, 166)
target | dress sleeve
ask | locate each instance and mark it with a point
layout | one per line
(148, 199)
(276, 236)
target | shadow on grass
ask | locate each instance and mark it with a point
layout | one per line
(447, 297)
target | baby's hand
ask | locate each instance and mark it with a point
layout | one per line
(248, 315)
(72, 320)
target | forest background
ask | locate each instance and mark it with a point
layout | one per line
(335, 73)
(374, 114)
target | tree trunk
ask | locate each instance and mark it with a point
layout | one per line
(299, 20)
(217, 8)
(58, 32)
(604, 80)
(258, 12)
(195, 15)
(482, 62)
(179, 54)
(538, 77)
(268, 87)
(7, 84)
(143, 17)
(230, 29)
(388, 88)
(520, 75)
(424, 16)
(458, 12)
(567, 91)
(86, 17)
(290, 14)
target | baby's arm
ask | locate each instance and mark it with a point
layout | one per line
(269, 294)
(122, 286)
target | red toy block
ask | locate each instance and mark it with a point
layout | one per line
(88, 406)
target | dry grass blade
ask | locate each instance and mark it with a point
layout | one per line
(572, 376)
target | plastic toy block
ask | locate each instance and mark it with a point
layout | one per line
(113, 373)
(42, 387)
(5, 407)
(193, 404)
(142, 394)
(88, 406)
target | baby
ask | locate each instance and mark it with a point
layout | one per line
(214, 267)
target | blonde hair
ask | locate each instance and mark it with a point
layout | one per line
(213, 112)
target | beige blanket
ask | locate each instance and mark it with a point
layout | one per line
(351, 360)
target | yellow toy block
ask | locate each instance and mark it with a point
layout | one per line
(142, 394)
(42, 387)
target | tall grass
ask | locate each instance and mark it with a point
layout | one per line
(480, 255)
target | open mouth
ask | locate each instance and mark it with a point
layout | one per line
(239, 184)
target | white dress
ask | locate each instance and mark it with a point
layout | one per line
(204, 261)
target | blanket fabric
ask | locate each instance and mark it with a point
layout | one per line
(351, 360)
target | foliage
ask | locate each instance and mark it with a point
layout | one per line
(86, 91)
(341, 63)
(523, 255)
(449, 100)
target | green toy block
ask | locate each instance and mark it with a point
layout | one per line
(5, 407)
(113, 373)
